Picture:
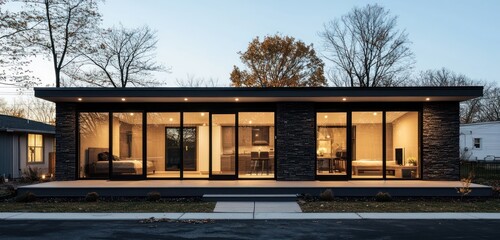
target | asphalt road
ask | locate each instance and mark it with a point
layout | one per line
(254, 229)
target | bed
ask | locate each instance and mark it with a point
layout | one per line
(371, 166)
(98, 164)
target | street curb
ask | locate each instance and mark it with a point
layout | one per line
(12, 216)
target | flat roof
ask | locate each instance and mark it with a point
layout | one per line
(243, 94)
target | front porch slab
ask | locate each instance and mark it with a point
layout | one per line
(196, 188)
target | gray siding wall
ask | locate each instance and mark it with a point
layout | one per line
(66, 163)
(440, 141)
(295, 143)
(6, 154)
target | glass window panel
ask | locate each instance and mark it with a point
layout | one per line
(196, 145)
(35, 148)
(331, 145)
(402, 145)
(223, 144)
(94, 145)
(256, 145)
(163, 143)
(367, 144)
(127, 144)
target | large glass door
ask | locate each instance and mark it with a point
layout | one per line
(126, 155)
(223, 146)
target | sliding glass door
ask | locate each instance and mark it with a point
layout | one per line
(223, 146)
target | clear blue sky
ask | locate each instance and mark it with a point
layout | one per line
(202, 38)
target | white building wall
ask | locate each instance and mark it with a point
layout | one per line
(488, 132)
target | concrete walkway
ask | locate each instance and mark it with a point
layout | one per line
(257, 207)
(243, 216)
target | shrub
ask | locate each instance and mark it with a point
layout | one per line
(383, 197)
(153, 196)
(326, 195)
(26, 197)
(92, 197)
(30, 175)
(306, 197)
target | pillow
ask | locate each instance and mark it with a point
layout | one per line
(102, 156)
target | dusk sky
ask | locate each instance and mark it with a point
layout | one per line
(202, 38)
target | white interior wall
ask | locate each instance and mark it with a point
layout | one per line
(405, 135)
(369, 141)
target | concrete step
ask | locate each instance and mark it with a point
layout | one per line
(250, 197)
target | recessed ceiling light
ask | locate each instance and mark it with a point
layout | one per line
(131, 114)
(344, 99)
(171, 119)
(326, 116)
(202, 114)
(374, 114)
(185, 99)
(427, 99)
(250, 121)
(80, 99)
(123, 99)
(236, 99)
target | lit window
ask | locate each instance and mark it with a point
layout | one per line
(477, 142)
(35, 148)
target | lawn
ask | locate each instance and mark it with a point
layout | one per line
(107, 206)
(403, 205)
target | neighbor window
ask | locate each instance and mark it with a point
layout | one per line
(35, 148)
(477, 143)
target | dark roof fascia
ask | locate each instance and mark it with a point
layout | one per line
(17, 124)
(17, 130)
(474, 91)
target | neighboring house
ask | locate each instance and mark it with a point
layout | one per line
(480, 141)
(25, 143)
(285, 134)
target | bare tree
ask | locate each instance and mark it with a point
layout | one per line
(474, 110)
(120, 57)
(14, 56)
(39, 110)
(192, 81)
(444, 78)
(31, 108)
(279, 62)
(11, 109)
(366, 49)
(68, 25)
(491, 107)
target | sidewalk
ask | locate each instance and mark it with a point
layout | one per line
(243, 216)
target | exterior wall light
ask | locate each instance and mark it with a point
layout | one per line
(123, 99)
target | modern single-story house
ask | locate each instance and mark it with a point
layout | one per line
(25, 143)
(284, 134)
(480, 141)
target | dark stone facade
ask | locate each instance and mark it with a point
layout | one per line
(295, 141)
(440, 141)
(66, 163)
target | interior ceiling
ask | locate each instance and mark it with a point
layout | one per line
(339, 119)
(199, 118)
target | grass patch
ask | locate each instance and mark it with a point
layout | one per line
(102, 206)
(403, 205)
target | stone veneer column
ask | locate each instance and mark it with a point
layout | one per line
(295, 143)
(65, 142)
(440, 141)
